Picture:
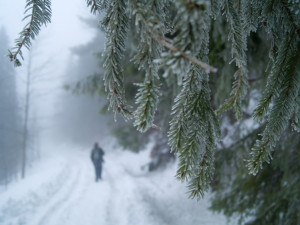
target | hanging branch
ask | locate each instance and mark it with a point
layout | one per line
(194, 129)
(115, 23)
(148, 51)
(285, 105)
(40, 15)
(97, 5)
(166, 42)
(238, 37)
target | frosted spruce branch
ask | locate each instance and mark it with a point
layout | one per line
(178, 124)
(147, 100)
(238, 37)
(285, 100)
(146, 15)
(39, 13)
(194, 129)
(275, 78)
(115, 23)
(279, 101)
(166, 42)
(97, 5)
(194, 133)
(296, 116)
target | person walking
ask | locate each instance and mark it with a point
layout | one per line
(97, 159)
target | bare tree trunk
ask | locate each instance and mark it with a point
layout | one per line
(6, 175)
(26, 111)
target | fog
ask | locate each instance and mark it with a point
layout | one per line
(51, 59)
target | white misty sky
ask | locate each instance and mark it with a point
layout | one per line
(52, 45)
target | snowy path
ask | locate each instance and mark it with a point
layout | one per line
(62, 191)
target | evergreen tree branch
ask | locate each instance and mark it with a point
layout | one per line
(275, 77)
(194, 132)
(252, 12)
(40, 15)
(238, 37)
(185, 39)
(115, 23)
(296, 116)
(285, 105)
(290, 17)
(215, 7)
(199, 184)
(194, 129)
(147, 100)
(97, 5)
(166, 42)
(178, 126)
(148, 51)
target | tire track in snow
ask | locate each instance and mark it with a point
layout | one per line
(166, 206)
(127, 204)
(77, 196)
(150, 214)
(60, 198)
(110, 218)
(120, 199)
(91, 207)
(19, 211)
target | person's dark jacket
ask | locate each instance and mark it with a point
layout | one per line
(97, 154)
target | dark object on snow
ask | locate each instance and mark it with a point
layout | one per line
(97, 159)
(160, 154)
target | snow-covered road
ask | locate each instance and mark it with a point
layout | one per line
(61, 191)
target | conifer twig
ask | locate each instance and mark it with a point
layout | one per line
(40, 15)
(167, 43)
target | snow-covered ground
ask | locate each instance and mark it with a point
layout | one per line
(60, 190)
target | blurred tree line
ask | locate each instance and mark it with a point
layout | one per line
(10, 118)
(19, 131)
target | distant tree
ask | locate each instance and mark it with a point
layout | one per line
(10, 120)
(26, 112)
(180, 45)
(78, 120)
(29, 78)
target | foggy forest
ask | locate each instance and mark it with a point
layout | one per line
(150, 112)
